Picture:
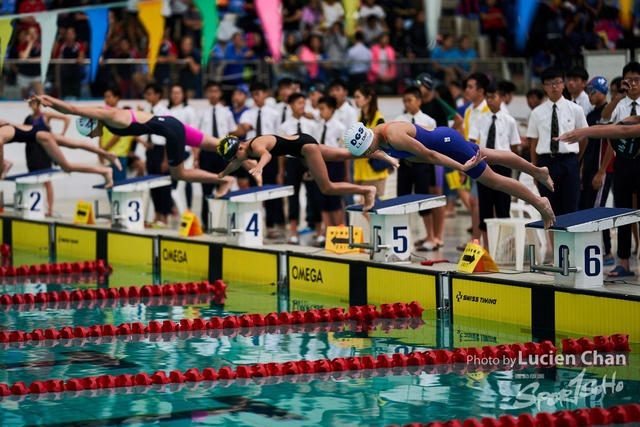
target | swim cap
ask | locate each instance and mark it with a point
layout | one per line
(358, 139)
(228, 147)
(85, 126)
(600, 84)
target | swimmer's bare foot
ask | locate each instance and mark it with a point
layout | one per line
(114, 160)
(369, 198)
(6, 166)
(224, 188)
(544, 178)
(108, 178)
(546, 211)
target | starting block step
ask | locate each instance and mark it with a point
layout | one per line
(578, 244)
(244, 212)
(29, 198)
(127, 199)
(390, 231)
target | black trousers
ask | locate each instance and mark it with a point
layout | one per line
(565, 172)
(211, 162)
(274, 209)
(590, 198)
(414, 177)
(490, 200)
(625, 185)
(161, 196)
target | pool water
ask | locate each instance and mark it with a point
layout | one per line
(352, 399)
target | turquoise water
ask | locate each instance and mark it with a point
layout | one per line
(353, 399)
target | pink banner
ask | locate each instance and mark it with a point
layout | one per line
(270, 14)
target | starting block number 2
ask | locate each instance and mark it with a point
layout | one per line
(252, 225)
(35, 197)
(400, 238)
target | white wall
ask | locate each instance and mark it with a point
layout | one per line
(78, 186)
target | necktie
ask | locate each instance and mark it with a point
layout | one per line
(555, 130)
(324, 134)
(491, 136)
(259, 124)
(413, 120)
(299, 128)
(633, 108)
(284, 114)
(214, 130)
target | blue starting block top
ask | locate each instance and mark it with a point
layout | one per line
(403, 204)
(42, 175)
(139, 183)
(592, 220)
(257, 194)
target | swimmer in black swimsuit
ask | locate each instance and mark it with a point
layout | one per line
(50, 142)
(623, 139)
(135, 123)
(301, 146)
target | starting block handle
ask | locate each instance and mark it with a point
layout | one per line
(375, 247)
(228, 230)
(564, 262)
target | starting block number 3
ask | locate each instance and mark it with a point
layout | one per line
(133, 210)
(252, 225)
(35, 197)
(400, 238)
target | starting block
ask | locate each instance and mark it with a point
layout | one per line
(30, 196)
(578, 244)
(244, 212)
(390, 232)
(127, 200)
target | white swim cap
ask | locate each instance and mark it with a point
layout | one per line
(358, 139)
(85, 126)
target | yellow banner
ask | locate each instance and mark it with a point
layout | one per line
(488, 301)
(6, 31)
(415, 287)
(74, 244)
(150, 15)
(319, 277)
(249, 266)
(30, 236)
(129, 249)
(182, 257)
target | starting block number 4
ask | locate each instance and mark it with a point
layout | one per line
(253, 226)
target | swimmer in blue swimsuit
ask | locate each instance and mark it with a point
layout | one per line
(446, 147)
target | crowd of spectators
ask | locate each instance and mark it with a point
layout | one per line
(386, 31)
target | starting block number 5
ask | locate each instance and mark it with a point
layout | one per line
(133, 210)
(252, 226)
(35, 197)
(400, 238)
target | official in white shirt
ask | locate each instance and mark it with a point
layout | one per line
(551, 119)
(216, 120)
(416, 177)
(345, 112)
(296, 171)
(262, 120)
(577, 79)
(157, 163)
(498, 130)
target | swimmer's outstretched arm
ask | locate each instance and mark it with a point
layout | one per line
(97, 113)
(602, 131)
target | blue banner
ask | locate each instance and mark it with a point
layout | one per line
(99, 21)
(526, 10)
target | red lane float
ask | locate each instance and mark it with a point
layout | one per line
(98, 266)
(600, 344)
(273, 320)
(192, 288)
(432, 361)
(619, 414)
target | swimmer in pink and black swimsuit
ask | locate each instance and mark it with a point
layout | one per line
(135, 123)
(446, 147)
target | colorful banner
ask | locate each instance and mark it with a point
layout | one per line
(526, 12)
(99, 22)
(432, 9)
(270, 14)
(626, 13)
(209, 12)
(6, 30)
(48, 22)
(150, 15)
(350, 15)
